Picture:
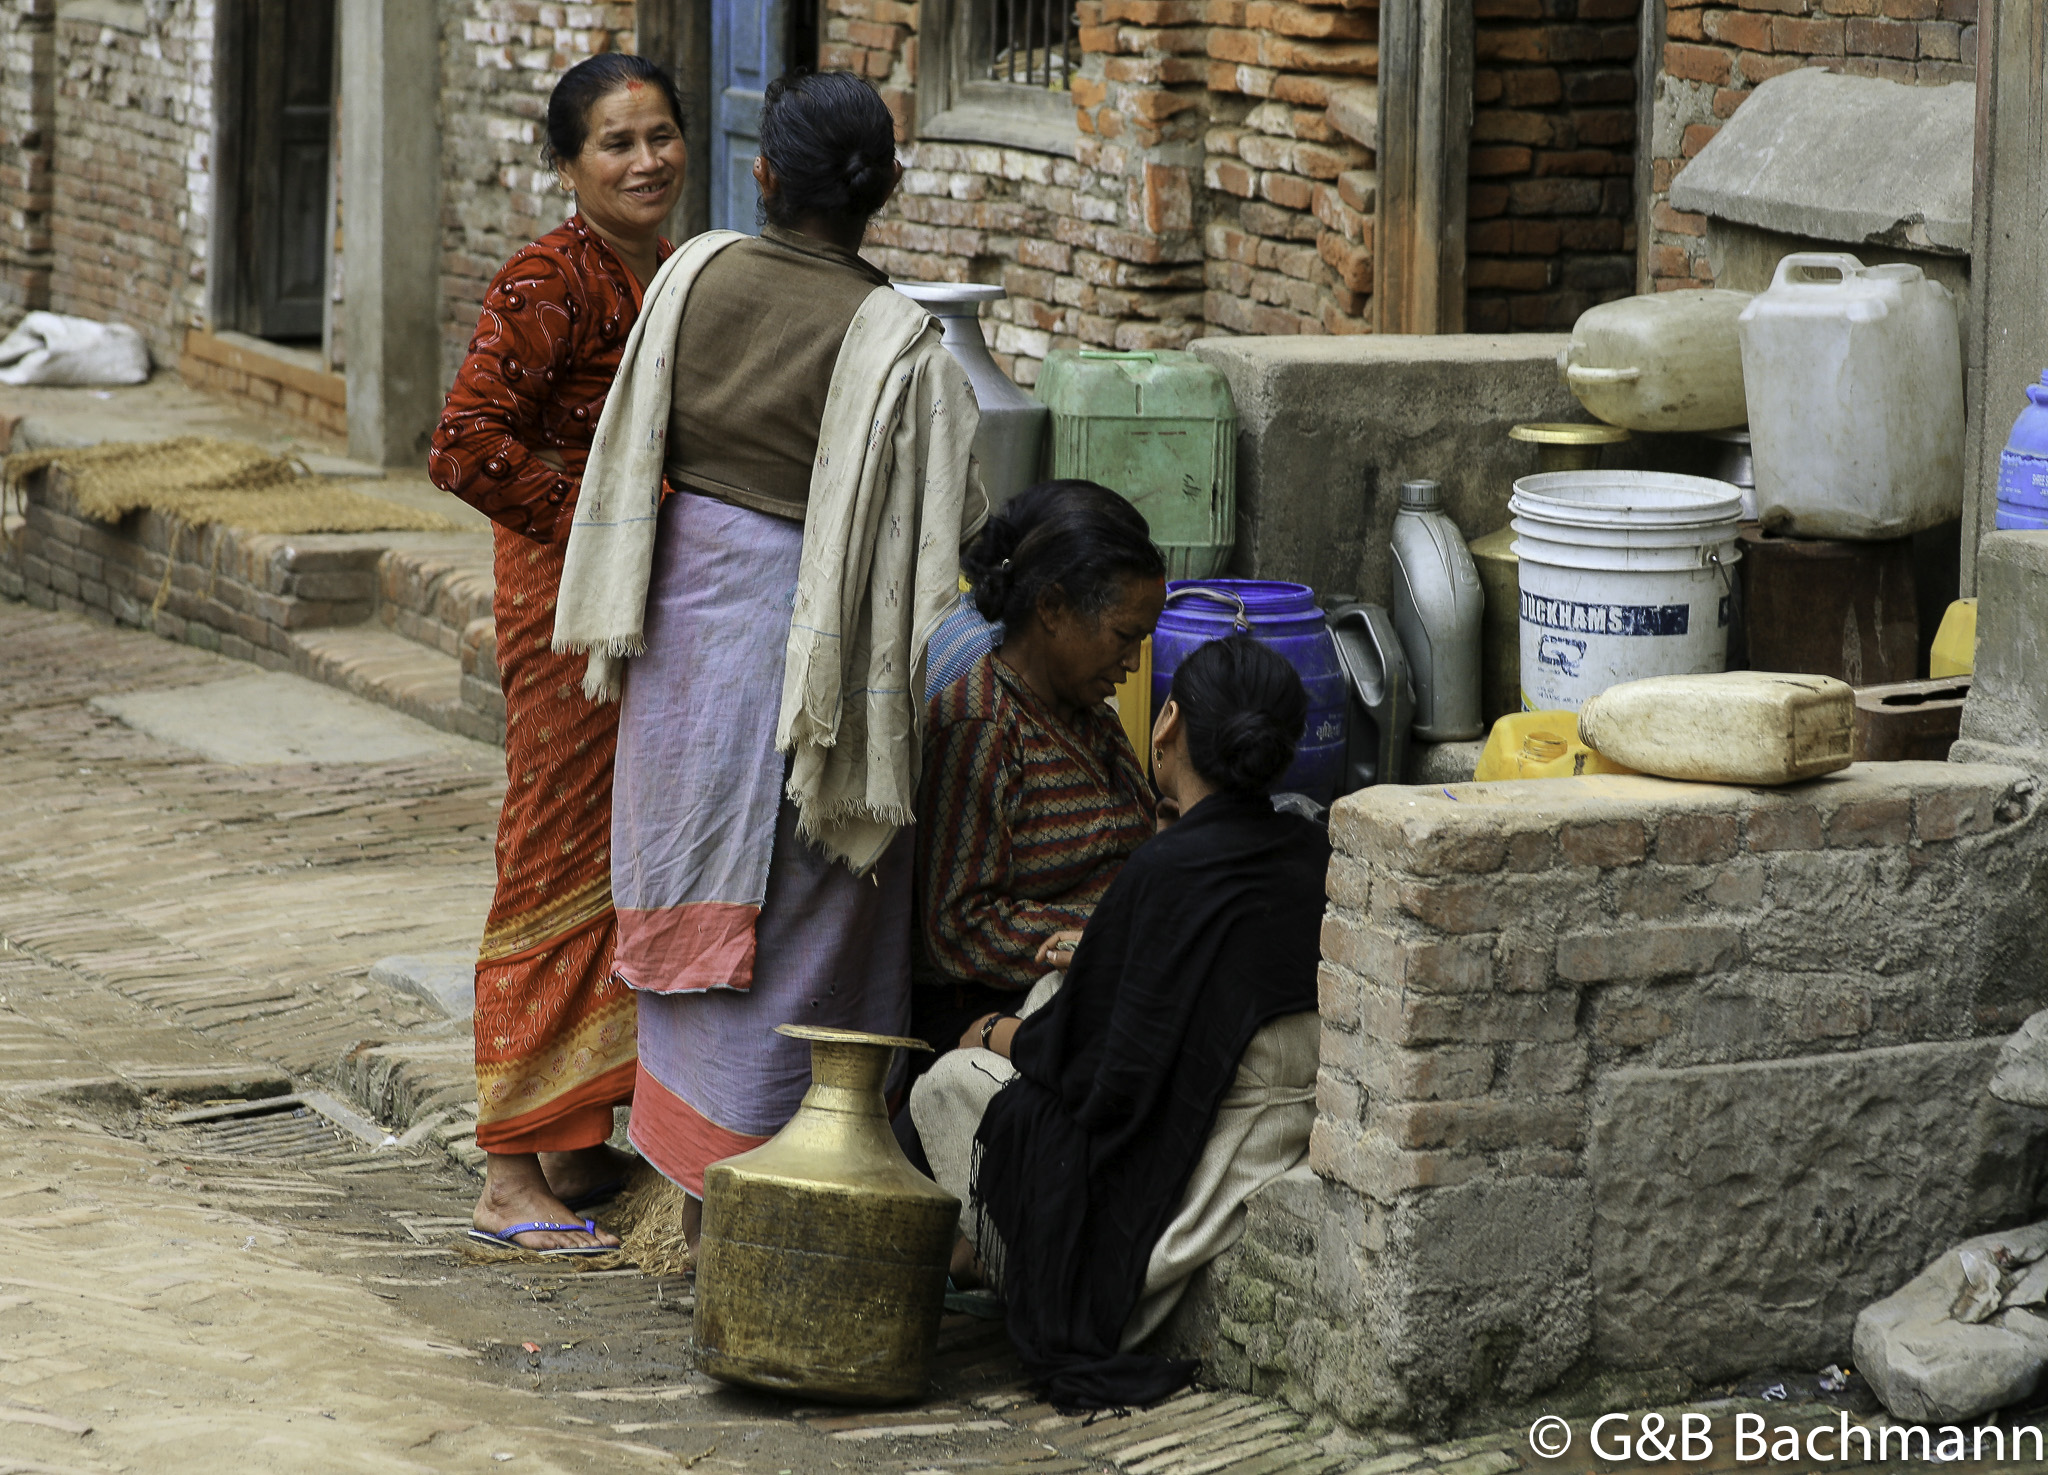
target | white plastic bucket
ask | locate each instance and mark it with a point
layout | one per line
(1623, 574)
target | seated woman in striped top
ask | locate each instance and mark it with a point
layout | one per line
(1031, 798)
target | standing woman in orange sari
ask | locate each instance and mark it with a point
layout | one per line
(554, 1031)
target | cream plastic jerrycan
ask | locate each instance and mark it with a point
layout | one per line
(1732, 727)
(1854, 377)
(1667, 361)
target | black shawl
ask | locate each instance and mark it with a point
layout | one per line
(1211, 932)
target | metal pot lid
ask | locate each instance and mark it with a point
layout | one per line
(1572, 433)
(946, 294)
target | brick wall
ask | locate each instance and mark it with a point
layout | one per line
(875, 39)
(114, 123)
(1654, 1081)
(1290, 161)
(131, 197)
(500, 59)
(1221, 182)
(1103, 249)
(27, 119)
(1713, 55)
(1551, 204)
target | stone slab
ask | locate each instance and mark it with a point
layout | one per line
(1424, 816)
(1744, 1214)
(1329, 428)
(2008, 703)
(445, 980)
(1835, 158)
(1928, 1366)
(274, 718)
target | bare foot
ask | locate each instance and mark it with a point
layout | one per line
(965, 1270)
(572, 1174)
(516, 1192)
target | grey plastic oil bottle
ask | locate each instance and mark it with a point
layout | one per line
(1438, 607)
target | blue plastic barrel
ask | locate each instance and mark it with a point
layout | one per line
(1285, 617)
(2023, 467)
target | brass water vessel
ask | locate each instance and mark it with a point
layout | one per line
(1568, 445)
(822, 1265)
(1560, 446)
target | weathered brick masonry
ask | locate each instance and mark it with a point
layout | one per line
(1221, 177)
(1646, 1079)
(106, 153)
(290, 385)
(1212, 187)
(131, 167)
(1550, 231)
(500, 59)
(1291, 166)
(28, 98)
(242, 594)
(1713, 56)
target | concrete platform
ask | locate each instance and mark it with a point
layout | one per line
(272, 718)
(447, 980)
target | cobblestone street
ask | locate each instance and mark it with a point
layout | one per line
(287, 1285)
(179, 931)
(1393, 402)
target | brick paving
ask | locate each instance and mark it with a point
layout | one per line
(176, 929)
(250, 902)
(172, 930)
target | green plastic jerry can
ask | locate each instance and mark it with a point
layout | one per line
(1159, 427)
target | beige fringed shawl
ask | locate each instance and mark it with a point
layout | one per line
(880, 559)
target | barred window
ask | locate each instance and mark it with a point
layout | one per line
(1032, 42)
(999, 71)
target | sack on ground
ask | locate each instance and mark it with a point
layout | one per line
(1966, 1335)
(51, 348)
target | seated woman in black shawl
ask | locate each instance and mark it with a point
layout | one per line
(1105, 1145)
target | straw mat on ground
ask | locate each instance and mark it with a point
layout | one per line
(199, 479)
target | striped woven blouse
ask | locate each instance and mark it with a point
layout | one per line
(1023, 821)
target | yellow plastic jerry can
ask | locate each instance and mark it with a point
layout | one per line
(1955, 643)
(1539, 745)
(1134, 706)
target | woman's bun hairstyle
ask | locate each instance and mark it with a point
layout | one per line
(1244, 709)
(1075, 539)
(831, 143)
(586, 84)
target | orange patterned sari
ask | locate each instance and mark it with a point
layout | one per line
(554, 1029)
(555, 1032)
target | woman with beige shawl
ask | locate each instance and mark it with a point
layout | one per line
(769, 530)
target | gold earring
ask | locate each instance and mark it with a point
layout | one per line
(1158, 756)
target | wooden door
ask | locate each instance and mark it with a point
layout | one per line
(749, 47)
(288, 167)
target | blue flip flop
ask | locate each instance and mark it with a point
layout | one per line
(504, 1239)
(600, 1195)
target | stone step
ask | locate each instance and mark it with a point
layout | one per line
(382, 666)
(435, 592)
(402, 619)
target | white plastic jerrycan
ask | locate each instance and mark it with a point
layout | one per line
(1854, 378)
